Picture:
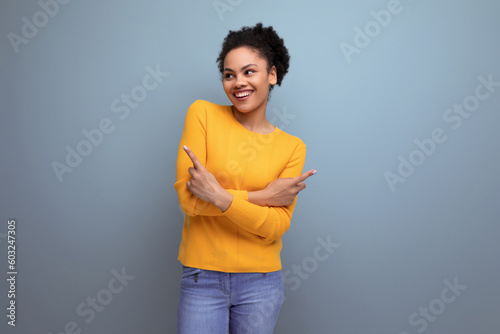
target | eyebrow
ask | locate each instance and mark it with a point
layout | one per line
(243, 68)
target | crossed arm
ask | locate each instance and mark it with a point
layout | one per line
(205, 186)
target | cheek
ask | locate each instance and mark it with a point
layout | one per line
(226, 86)
(263, 82)
(264, 86)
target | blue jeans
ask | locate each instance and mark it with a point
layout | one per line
(213, 302)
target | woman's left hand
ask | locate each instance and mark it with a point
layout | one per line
(205, 186)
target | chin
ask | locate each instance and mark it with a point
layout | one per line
(243, 108)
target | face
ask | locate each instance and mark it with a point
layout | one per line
(246, 79)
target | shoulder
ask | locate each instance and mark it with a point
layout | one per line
(206, 105)
(205, 109)
(293, 145)
(292, 140)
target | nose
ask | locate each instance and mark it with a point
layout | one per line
(240, 81)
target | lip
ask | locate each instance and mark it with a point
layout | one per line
(243, 91)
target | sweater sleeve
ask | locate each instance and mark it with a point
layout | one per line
(268, 222)
(194, 136)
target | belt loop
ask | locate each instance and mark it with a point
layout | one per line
(196, 278)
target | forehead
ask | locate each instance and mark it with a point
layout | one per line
(242, 56)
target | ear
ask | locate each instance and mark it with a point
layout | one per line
(273, 76)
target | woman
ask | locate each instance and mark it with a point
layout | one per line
(237, 181)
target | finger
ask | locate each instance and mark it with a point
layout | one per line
(196, 163)
(304, 176)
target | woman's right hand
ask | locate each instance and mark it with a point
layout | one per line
(282, 192)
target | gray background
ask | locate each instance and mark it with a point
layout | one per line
(396, 249)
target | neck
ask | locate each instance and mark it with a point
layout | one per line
(254, 121)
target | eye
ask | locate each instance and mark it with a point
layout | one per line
(249, 72)
(228, 76)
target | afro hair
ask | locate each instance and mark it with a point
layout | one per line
(265, 41)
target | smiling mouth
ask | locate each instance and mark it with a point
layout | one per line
(243, 95)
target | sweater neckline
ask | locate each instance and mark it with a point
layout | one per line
(276, 129)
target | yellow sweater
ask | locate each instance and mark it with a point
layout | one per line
(246, 237)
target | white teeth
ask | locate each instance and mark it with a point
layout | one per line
(242, 94)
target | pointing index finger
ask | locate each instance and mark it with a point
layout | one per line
(305, 175)
(196, 163)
